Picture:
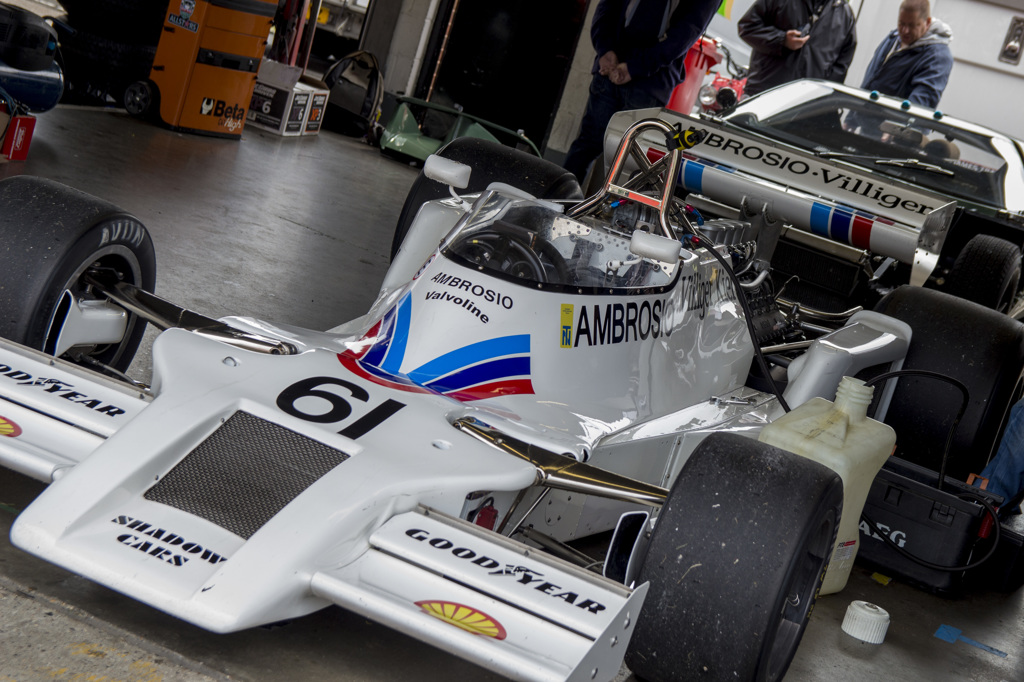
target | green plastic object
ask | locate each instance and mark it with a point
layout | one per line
(403, 134)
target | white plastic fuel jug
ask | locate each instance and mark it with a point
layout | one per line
(841, 436)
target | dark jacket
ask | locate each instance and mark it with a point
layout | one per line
(919, 72)
(827, 54)
(653, 51)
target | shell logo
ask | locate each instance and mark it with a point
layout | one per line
(9, 428)
(464, 617)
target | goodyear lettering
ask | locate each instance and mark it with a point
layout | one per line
(488, 295)
(526, 576)
(169, 547)
(614, 323)
(832, 178)
(59, 389)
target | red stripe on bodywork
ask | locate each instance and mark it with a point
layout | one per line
(493, 390)
(860, 234)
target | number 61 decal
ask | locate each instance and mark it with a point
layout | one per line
(341, 408)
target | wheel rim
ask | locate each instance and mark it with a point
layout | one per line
(803, 580)
(137, 99)
(126, 264)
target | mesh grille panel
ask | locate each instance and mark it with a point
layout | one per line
(245, 473)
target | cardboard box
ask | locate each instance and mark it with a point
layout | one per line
(285, 103)
(18, 136)
(277, 104)
(319, 94)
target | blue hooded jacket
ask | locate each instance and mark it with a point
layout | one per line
(919, 72)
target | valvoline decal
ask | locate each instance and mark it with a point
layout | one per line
(486, 369)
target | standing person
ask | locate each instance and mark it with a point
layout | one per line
(641, 46)
(913, 62)
(794, 39)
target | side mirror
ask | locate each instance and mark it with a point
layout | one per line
(655, 247)
(447, 171)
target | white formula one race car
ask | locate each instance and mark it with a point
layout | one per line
(534, 372)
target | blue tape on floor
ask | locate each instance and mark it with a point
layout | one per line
(948, 633)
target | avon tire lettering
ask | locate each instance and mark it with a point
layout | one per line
(340, 408)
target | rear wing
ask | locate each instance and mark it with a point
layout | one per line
(826, 198)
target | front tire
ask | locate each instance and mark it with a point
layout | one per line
(735, 563)
(51, 235)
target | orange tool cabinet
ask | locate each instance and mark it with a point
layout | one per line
(205, 66)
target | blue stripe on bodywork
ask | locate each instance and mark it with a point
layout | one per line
(693, 176)
(399, 337)
(841, 221)
(376, 354)
(483, 373)
(470, 355)
(819, 218)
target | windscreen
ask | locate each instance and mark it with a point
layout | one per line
(533, 245)
(950, 160)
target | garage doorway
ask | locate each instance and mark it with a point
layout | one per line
(505, 61)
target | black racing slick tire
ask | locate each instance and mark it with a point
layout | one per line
(976, 345)
(50, 234)
(491, 162)
(735, 563)
(987, 271)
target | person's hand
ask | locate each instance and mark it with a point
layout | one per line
(608, 61)
(794, 41)
(620, 74)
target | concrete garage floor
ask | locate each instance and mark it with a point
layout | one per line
(297, 231)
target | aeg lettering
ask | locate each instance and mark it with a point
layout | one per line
(138, 540)
(851, 185)
(897, 536)
(60, 389)
(525, 576)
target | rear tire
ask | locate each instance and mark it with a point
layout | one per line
(52, 234)
(971, 343)
(735, 563)
(987, 272)
(491, 162)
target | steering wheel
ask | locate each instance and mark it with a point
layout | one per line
(512, 250)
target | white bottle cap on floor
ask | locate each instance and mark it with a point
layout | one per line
(866, 622)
